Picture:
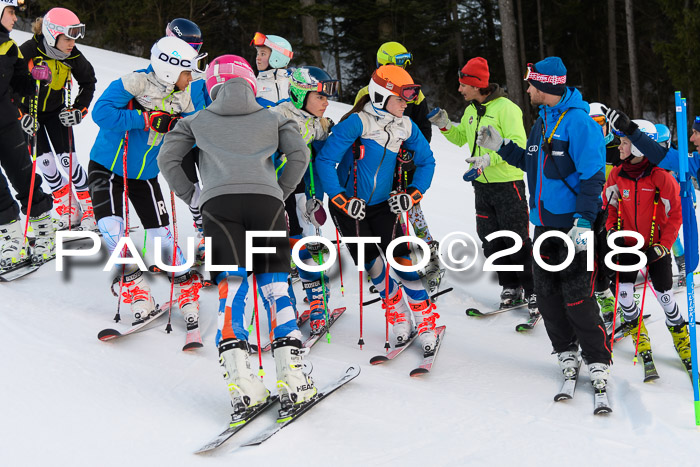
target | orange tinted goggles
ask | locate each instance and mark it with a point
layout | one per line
(260, 40)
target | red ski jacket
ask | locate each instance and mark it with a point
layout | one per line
(637, 199)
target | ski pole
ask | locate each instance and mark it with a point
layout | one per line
(340, 262)
(68, 104)
(117, 317)
(641, 315)
(617, 278)
(261, 372)
(168, 327)
(358, 153)
(33, 111)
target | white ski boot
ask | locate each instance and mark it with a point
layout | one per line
(12, 250)
(245, 388)
(138, 294)
(293, 385)
(44, 237)
(399, 317)
(186, 290)
(532, 305)
(569, 361)
(425, 321)
(87, 221)
(67, 216)
(511, 296)
(599, 373)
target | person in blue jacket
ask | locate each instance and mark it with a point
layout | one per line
(365, 147)
(564, 159)
(134, 114)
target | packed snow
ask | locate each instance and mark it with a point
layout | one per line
(70, 399)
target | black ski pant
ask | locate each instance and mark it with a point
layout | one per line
(605, 278)
(379, 222)
(565, 299)
(17, 164)
(503, 206)
(227, 218)
(660, 273)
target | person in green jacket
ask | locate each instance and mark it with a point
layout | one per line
(499, 190)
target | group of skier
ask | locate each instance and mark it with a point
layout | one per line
(256, 153)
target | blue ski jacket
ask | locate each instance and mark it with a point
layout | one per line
(565, 182)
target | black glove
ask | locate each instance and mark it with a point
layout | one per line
(160, 121)
(656, 252)
(27, 123)
(70, 117)
(620, 121)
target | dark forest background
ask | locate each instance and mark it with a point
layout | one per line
(623, 53)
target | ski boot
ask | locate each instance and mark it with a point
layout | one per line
(186, 289)
(606, 303)
(532, 305)
(244, 387)
(425, 321)
(12, 250)
(569, 362)
(511, 296)
(293, 385)
(138, 294)
(680, 262)
(399, 317)
(681, 340)
(314, 290)
(599, 373)
(87, 221)
(44, 237)
(67, 216)
(200, 247)
(629, 328)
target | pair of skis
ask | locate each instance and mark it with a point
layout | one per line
(313, 338)
(271, 428)
(428, 357)
(528, 325)
(601, 405)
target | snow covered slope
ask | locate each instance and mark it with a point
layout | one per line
(69, 399)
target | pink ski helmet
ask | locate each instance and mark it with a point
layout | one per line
(61, 21)
(227, 67)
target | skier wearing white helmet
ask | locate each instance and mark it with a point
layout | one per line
(645, 199)
(273, 56)
(238, 140)
(54, 42)
(134, 114)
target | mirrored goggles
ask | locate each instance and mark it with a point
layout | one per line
(260, 40)
(402, 60)
(697, 119)
(196, 45)
(200, 63)
(72, 32)
(407, 92)
(600, 119)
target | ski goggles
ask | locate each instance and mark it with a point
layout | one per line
(196, 45)
(600, 119)
(71, 32)
(407, 92)
(261, 40)
(325, 88)
(402, 60)
(19, 4)
(531, 74)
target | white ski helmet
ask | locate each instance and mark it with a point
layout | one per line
(597, 113)
(649, 129)
(61, 21)
(171, 56)
(18, 4)
(281, 49)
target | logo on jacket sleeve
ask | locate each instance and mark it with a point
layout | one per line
(533, 148)
(471, 119)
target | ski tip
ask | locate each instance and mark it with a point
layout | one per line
(378, 360)
(418, 372)
(192, 346)
(107, 334)
(473, 312)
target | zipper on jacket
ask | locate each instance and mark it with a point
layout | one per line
(374, 186)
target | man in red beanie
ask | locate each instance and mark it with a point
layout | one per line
(499, 190)
(564, 159)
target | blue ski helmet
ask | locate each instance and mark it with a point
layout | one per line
(663, 135)
(186, 30)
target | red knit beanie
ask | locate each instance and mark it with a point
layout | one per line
(475, 73)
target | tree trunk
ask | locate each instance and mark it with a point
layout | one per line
(509, 43)
(457, 35)
(523, 58)
(385, 30)
(612, 56)
(540, 34)
(309, 27)
(487, 7)
(634, 71)
(336, 56)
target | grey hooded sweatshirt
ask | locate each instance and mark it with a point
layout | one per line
(238, 140)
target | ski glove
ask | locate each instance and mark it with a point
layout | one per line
(489, 138)
(612, 195)
(315, 214)
(479, 164)
(70, 117)
(439, 118)
(656, 252)
(41, 72)
(581, 226)
(27, 123)
(160, 121)
(353, 207)
(400, 202)
(619, 121)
